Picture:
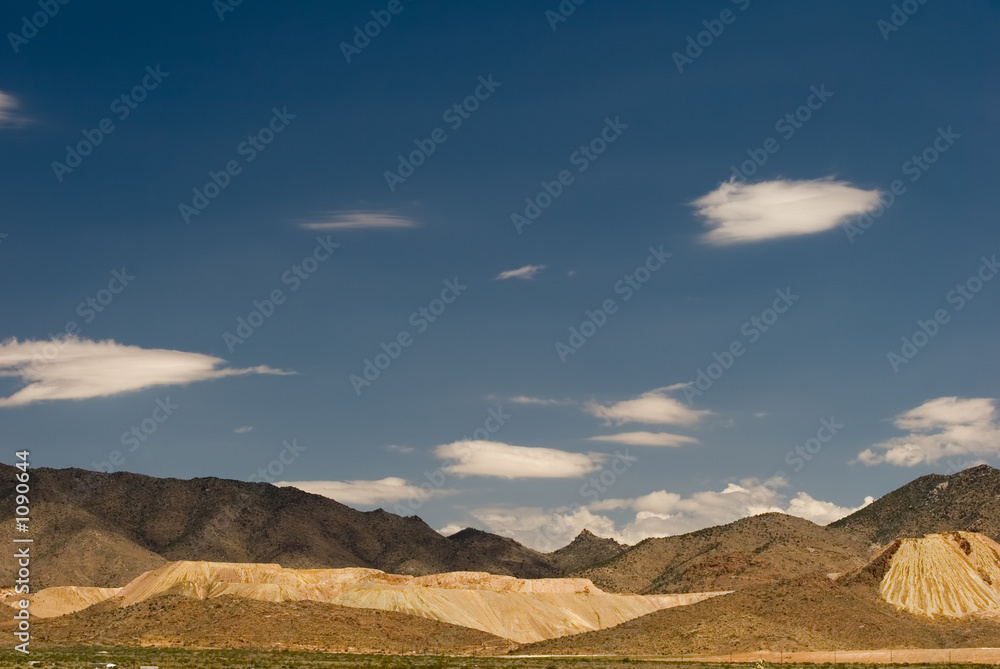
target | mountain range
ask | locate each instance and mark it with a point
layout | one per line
(796, 585)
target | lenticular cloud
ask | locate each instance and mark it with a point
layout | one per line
(69, 368)
(738, 213)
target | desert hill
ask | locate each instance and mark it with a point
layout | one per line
(811, 612)
(521, 610)
(585, 550)
(230, 622)
(967, 501)
(760, 549)
(105, 529)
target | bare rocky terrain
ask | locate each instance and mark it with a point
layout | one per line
(871, 580)
(761, 549)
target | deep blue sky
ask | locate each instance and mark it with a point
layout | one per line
(827, 356)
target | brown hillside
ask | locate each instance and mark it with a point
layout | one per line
(228, 622)
(97, 529)
(808, 613)
(584, 551)
(968, 500)
(760, 549)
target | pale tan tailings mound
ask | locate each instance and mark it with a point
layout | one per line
(515, 609)
(59, 601)
(953, 574)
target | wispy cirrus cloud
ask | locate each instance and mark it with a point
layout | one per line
(646, 439)
(940, 428)
(525, 273)
(244, 429)
(506, 461)
(359, 220)
(389, 489)
(70, 368)
(10, 116)
(540, 401)
(654, 408)
(738, 212)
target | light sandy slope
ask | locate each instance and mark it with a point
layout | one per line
(59, 601)
(517, 609)
(952, 574)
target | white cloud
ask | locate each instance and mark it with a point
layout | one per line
(69, 368)
(494, 458)
(396, 448)
(244, 429)
(450, 529)
(738, 212)
(660, 513)
(359, 220)
(940, 428)
(653, 407)
(646, 439)
(526, 272)
(543, 530)
(541, 401)
(819, 512)
(9, 116)
(390, 489)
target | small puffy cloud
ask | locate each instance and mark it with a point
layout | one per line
(500, 460)
(69, 368)
(646, 439)
(653, 407)
(450, 529)
(359, 220)
(819, 512)
(657, 514)
(244, 429)
(396, 448)
(526, 272)
(540, 401)
(541, 529)
(738, 212)
(940, 428)
(390, 489)
(9, 116)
